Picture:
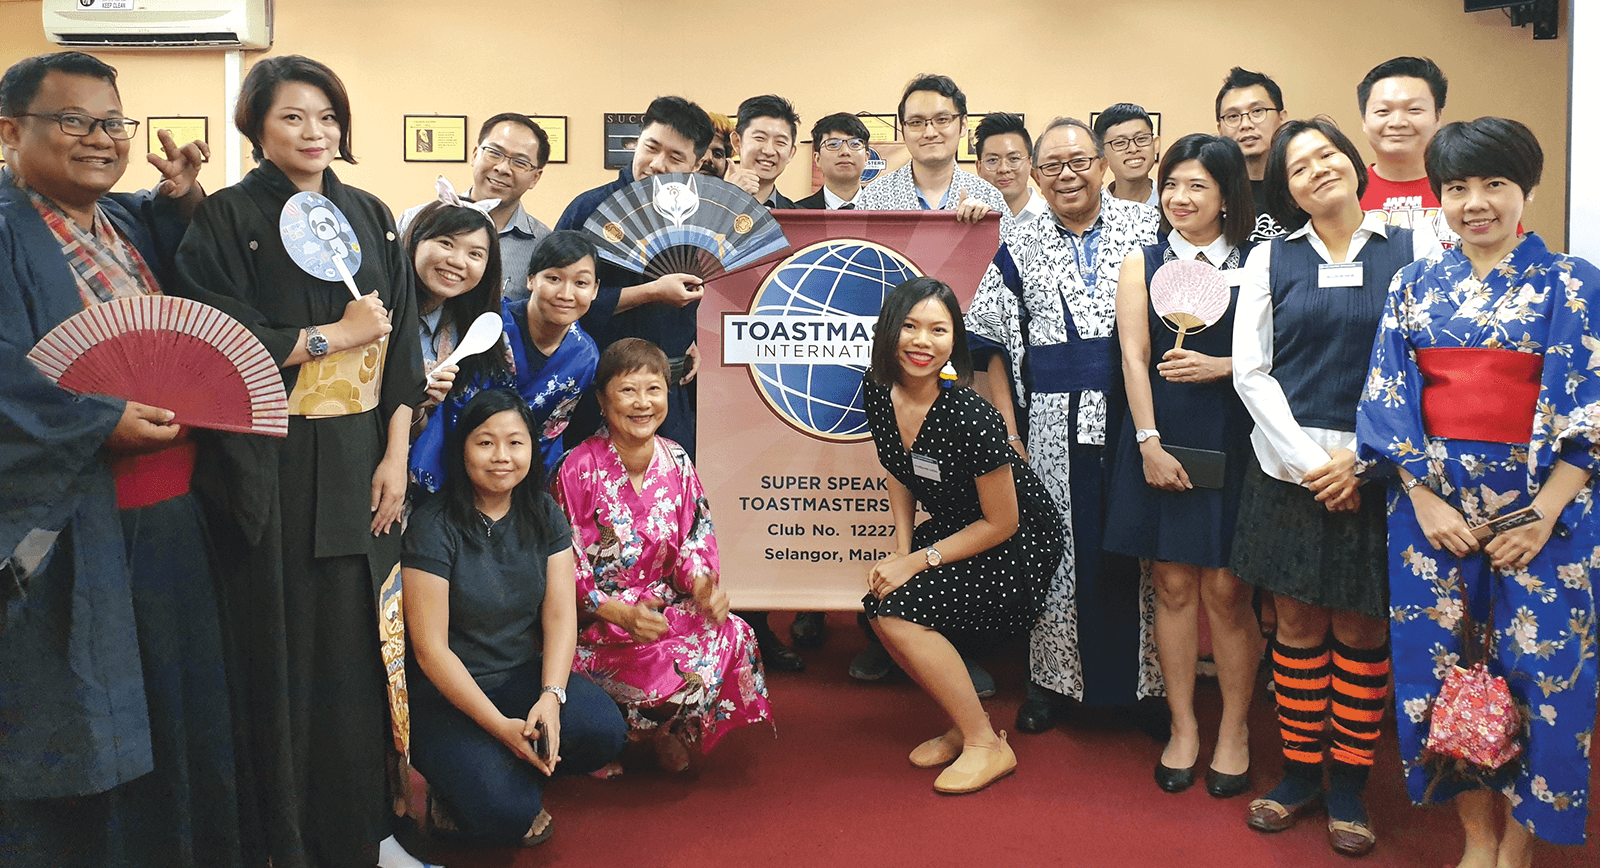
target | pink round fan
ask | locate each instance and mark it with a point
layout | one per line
(1189, 296)
(173, 353)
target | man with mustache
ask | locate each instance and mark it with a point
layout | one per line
(1249, 110)
(1402, 102)
(1042, 321)
(839, 145)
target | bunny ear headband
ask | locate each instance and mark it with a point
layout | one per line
(447, 195)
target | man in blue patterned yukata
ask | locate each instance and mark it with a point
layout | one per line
(933, 117)
(1043, 319)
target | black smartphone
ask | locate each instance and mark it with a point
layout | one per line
(541, 743)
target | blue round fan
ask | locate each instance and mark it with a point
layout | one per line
(684, 224)
(318, 237)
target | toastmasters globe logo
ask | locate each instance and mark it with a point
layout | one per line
(807, 337)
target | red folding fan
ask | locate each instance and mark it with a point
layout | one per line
(173, 353)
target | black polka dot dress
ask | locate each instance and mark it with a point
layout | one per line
(995, 593)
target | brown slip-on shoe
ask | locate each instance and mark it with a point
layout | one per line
(937, 751)
(1351, 839)
(977, 768)
(1267, 815)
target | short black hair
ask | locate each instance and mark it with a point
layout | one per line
(768, 106)
(840, 122)
(261, 88)
(682, 117)
(1280, 203)
(1239, 77)
(1405, 67)
(1484, 148)
(543, 155)
(897, 306)
(1058, 123)
(21, 82)
(1121, 113)
(528, 503)
(1224, 162)
(942, 85)
(560, 249)
(1000, 124)
(442, 219)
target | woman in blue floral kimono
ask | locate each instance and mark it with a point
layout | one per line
(1482, 400)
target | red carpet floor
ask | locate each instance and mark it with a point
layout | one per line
(833, 788)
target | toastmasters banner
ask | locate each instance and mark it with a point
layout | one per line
(799, 501)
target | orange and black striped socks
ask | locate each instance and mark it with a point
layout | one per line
(1301, 679)
(1360, 692)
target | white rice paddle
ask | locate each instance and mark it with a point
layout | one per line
(481, 336)
(1189, 296)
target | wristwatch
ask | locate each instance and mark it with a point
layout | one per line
(316, 342)
(934, 558)
(1142, 434)
(560, 692)
(1413, 482)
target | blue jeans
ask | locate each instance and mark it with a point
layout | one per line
(492, 794)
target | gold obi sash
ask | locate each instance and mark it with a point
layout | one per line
(341, 384)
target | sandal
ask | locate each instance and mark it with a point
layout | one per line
(533, 838)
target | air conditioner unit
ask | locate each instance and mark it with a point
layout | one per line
(164, 24)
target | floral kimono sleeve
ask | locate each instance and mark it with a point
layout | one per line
(697, 555)
(1566, 419)
(1389, 430)
(574, 498)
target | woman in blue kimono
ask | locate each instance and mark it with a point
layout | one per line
(1481, 401)
(552, 358)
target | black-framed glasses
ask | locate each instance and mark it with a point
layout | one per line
(853, 144)
(1076, 164)
(1121, 143)
(938, 122)
(1256, 115)
(496, 155)
(79, 124)
(993, 162)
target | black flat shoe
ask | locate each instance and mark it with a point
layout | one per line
(808, 629)
(1036, 716)
(1174, 780)
(779, 657)
(1223, 786)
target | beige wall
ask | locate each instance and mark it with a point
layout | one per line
(1041, 57)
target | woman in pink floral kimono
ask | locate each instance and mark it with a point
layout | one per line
(660, 638)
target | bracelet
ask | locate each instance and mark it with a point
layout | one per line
(1013, 438)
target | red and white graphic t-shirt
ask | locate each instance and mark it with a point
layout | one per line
(1406, 204)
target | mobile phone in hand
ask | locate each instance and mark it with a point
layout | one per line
(541, 743)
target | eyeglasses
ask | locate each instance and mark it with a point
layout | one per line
(1078, 165)
(1141, 140)
(1256, 115)
(835, 144)
(80, 125)
(938, 122)
(1013, 161)
(496, 155)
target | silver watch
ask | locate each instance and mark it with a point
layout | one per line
(316, 342)
(560, 692)
(933, 557)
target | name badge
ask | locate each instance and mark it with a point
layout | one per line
(1334, 274)
(925, 467)
(1234, 276)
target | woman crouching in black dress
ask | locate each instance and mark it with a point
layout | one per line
(979, 564)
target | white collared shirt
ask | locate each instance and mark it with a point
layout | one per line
(1035, 208)
(1286, 450)
(832, 200)
(1216, 252)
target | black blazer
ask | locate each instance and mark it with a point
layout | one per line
(814, 202)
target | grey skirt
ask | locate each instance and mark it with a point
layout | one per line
(1288, 543)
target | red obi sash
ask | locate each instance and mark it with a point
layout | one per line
(150, 478)
(1479, 394)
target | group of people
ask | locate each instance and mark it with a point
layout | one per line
(190, 655)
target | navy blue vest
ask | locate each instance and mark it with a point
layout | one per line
(1322, 336)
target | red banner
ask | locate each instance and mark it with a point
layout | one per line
(797, 495)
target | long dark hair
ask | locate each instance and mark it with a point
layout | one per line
(896, 307)
(441, 219)
(1224, 162)
(527, 501)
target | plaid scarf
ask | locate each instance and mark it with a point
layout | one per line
(105, 266)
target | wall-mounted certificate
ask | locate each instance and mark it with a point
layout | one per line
(622, 134)
(880, 128)
(435, 139)
(184, 130)
(554, 126)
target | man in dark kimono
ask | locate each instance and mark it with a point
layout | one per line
(114, 721)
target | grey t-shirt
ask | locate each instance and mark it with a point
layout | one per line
(496, 572)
